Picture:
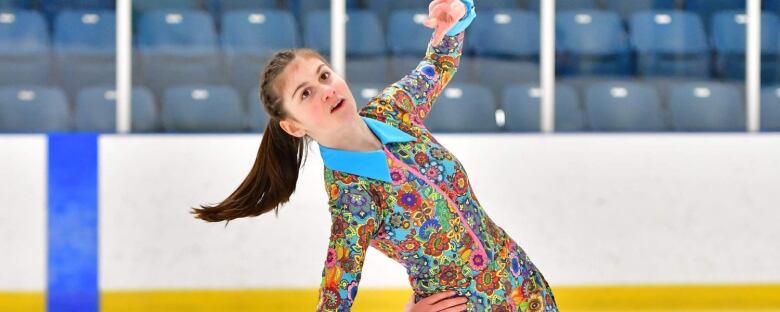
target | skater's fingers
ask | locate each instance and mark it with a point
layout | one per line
(449, 303)
(439, 10)
(430, 22)
(457, 308)
(441, 30)
(438, 297)
(437, 2)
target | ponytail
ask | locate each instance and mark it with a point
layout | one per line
(280, 157)
(270, 182)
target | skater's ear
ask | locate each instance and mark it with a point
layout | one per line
(292, 128)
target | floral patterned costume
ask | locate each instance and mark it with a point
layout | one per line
(412, 201)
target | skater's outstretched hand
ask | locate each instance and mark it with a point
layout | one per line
(442, 15)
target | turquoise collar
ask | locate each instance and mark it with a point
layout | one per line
(371, 164)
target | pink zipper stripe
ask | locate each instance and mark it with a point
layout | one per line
(449, 200)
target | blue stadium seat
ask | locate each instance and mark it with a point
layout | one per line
(496, 34)
(79, 4)
(257, 117)
(770, 108)
(84, 46)
(498, 73)
(141, 6)
(521, 106)
(771, 6)
(250, 37)
(383, 7)
(85, 30)
(670, 43)
(406, 35)
(627, 8)
(259, 31)
(664, 87)
(623, 106)
(33, 109)
(592, 42)
(497, 4)
(178, 47)
(202, 108)
(707, 106)
(729, 37)
(707, 8)
(14, 4)
(95, 110)
(302, 8)
(366, 48)
(463, 107)
(364, 33)
(390, 5)
(53, 7)
(175, 29)
(24, 48)
(504, 55)
(561, 5)
(408, 41)
(221, 7)
(368, 69)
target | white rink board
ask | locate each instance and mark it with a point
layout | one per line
(588, 208)
(23, 212)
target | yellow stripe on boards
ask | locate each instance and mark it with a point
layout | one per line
(669, 298)
(244, 300)
(22, 301)
(701, 298)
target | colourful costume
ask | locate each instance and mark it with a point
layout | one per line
(413, 202)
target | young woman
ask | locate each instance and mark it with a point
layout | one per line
(390, 184)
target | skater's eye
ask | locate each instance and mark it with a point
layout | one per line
(305, 93)
(325, 75)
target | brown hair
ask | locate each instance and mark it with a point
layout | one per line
(274, 174)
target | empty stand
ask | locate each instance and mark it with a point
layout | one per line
(202, 108)
(707, 106)
(521, 106)
(178, 47)
(670, 43)
(24, 48)
(623, 106)
(729, 35)
(84, 46)
(33, 109)
(592, 42)
(463, 108)
(249, 38)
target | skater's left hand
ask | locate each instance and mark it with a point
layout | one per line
(441, 302)
(442, 15)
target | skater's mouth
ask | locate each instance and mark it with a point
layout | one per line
(338, 105)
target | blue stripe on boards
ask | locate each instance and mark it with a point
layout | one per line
(72, 268)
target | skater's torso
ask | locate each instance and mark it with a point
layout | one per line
(413, 202)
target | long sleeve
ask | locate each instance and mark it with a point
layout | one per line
(410, 99)
(354, 223)
(413, 96)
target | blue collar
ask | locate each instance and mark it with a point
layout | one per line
(372, 164)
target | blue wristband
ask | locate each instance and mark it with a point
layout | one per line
(465, 21)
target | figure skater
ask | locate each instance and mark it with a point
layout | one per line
(390, 184)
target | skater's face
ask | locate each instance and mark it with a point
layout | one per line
(318, 100)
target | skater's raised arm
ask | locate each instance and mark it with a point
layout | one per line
(411, 97)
